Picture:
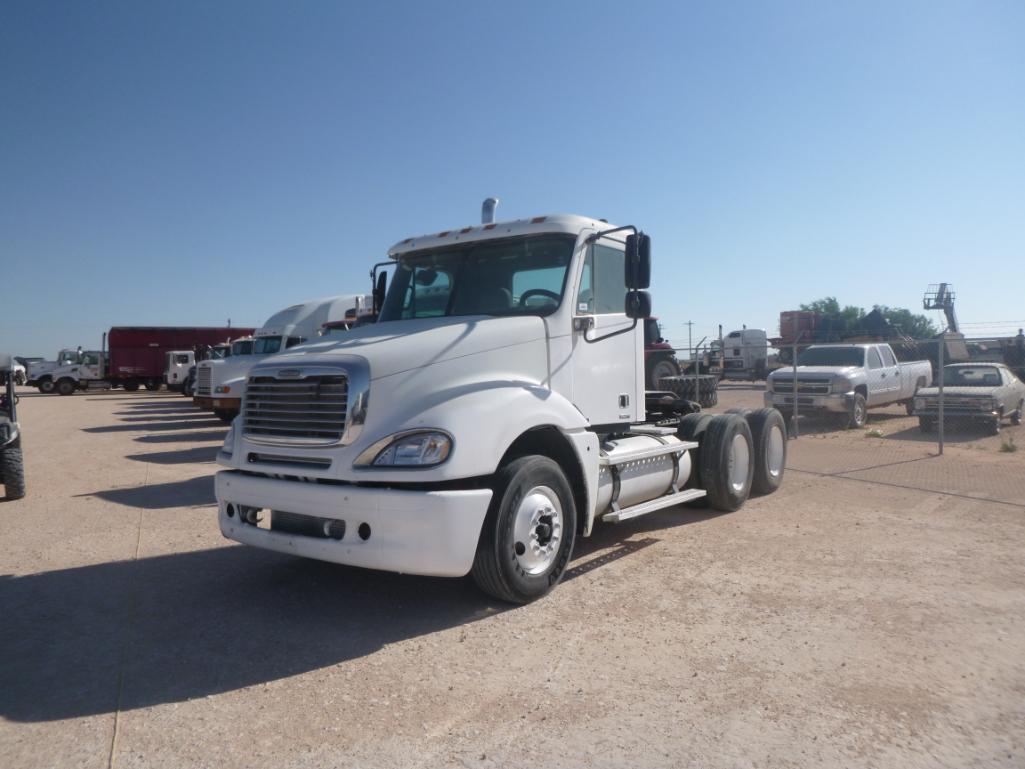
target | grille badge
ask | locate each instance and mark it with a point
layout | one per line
(289, 373)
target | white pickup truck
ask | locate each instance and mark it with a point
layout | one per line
(496, 411)
(846, 380)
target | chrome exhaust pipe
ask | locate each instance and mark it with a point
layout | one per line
(487, 211)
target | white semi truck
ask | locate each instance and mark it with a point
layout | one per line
(494, 413)
(220, 384)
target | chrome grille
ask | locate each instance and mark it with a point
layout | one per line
(307, 410)
(804, 386)
(961, 404)
(203, 374)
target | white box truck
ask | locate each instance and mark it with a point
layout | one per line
(494, 413)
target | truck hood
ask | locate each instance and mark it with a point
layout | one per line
(234, 367)
(397, 346)
(814, 372)
(960, 392)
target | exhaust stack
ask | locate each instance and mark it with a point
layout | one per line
(487, 211)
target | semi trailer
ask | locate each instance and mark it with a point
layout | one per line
(496, 412)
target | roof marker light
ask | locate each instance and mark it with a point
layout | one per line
(538, 219)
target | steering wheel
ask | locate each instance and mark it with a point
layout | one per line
(538, 292)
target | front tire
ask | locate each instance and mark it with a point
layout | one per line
(225, 415)
(131, 385)
(152, 385)
(528, 534)
(46, 386)
(1016, 417)
(12, 470)
(858, 416)
(659, 368)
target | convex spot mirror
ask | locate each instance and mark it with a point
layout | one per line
(638, 304)
(638, 261)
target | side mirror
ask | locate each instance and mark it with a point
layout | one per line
(638, 261)
(638, 305)
(379, 291)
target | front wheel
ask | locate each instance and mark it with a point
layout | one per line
(659, 369)
(225, 415)
(1016, 417)
(12, 470)
(46, 386)
(528, 534)
(131, 385)
(152, 385)
(858, 415)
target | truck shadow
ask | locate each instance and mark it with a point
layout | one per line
(150, 426)
(165, 416)
(193, 437)
(188, 625)
(195, 492)
(197, 454)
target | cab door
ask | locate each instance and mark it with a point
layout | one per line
(608, 387)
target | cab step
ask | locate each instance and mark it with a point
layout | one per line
(626, 513)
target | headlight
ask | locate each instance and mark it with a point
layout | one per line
(841, 385)
(222, 389)
(420, 448)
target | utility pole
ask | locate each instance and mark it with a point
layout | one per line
(690, 339)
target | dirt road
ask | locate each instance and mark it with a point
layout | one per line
(870, 614)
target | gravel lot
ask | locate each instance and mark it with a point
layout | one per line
(869, 614)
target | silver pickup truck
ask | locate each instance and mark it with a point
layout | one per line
(846, 380)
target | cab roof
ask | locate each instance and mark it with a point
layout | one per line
(554, 223)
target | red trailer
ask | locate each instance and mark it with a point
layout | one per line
(137, 352)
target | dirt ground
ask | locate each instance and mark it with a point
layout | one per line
(869, 614)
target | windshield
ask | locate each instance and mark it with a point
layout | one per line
(266, 345)
(975, 376)
(521, 276)
(70, 356)
(242, 348)
(832, 356)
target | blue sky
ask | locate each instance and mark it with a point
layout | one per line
(183, 163)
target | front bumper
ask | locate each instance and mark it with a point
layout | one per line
(837, 403)
(433, 533)
(228, 404)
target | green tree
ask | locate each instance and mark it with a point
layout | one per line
(841, 320)
(907, 322)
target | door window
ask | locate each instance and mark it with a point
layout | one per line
(873, 358)
(603, 283)
(888, 359)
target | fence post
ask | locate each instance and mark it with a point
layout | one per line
(793, 419)
(939, 425)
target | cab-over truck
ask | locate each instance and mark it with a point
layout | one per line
(495, 412)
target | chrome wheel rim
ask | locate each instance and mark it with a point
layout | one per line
(740, 462)
(859, 414)
(537, 530)
(775, 451)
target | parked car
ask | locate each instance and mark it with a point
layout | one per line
(973, 392)
(846, 380)
(12, 467)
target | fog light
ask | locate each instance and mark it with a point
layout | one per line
(334, 529)
(230, 511)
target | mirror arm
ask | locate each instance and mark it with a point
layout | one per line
(603, 233)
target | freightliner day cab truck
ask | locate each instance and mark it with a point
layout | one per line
(221, 383)
(494, 413)
(40, 373)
